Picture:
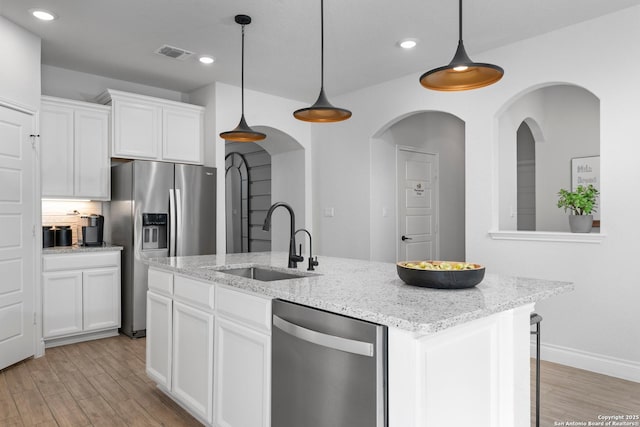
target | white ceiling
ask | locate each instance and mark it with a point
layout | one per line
(118, 38)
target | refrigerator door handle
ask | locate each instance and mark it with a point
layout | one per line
(179, 229)
(172, 223)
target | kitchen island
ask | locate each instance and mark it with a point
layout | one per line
(454, 357)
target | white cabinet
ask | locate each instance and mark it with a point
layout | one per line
(56, 150)
(209, 347)
(136, 129)
(74, 149)
(62, 307)
(192, 366)
(242, 386)
(242, 375)
(101, 298)
(81, 296)
(159, 338)
(182, 130)
(180, 340)
(155, 129)
(473, 374)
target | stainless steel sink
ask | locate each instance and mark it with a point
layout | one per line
(263, 274)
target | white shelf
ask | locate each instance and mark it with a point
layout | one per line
(547, 236)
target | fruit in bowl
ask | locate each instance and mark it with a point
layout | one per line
(440, 274)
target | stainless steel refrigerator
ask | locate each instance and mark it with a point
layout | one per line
(158, 209)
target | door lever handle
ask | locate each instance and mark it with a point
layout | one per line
(406, 238)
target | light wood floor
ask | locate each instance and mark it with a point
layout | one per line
(569, 394)
(103, 383)
(95, 383)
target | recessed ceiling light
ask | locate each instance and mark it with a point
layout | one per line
(206, 59)
(43, 15)
(408, 43)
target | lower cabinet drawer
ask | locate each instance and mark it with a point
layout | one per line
(252, 310)
(160, 281)
(80, 261)
(194, 292)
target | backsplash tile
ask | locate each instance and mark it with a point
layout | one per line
(61, 212)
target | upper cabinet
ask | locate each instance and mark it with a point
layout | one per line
(74, 149)
(155, 129)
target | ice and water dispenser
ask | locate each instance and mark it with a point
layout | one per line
(154, 231)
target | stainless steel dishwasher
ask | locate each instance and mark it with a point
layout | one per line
(328, 370)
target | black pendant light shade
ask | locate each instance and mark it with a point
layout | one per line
(322, 111)
(242, 132)
(461, 73)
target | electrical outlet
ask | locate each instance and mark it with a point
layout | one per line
(329, 212)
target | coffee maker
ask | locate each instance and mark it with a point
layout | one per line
(91, 230)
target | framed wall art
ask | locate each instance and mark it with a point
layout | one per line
(585, 171)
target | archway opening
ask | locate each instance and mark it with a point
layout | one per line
(277, 173)
(437, 135)
(562, 124)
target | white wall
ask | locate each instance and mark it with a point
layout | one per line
(431, 132)
(86, 87)
(20, 65)
(206, 96)
(595, 326)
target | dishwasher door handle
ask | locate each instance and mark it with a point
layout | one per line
(330, 341)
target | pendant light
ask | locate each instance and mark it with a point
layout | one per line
(242, 132)
(322, 111)
(461, 73)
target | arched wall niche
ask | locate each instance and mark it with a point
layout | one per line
(526, 177)
(434, 132)
(564, 120)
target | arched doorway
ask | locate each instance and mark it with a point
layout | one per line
(432, 132)
(277, 173)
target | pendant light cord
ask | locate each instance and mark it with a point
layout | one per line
(242, 72)
(460, 21)
(321, 44)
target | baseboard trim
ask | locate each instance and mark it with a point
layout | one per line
(594, 362)
(55, 342)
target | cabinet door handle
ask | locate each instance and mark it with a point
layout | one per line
(330, 341)
(406, 238)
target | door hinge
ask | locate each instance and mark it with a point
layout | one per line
(33, 231)
(33, 140)
(34, 319)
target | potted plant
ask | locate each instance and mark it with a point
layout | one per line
(581, 203)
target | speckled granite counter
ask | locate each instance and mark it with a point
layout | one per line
(370, 290)
(75, 249)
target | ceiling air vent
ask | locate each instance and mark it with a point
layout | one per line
(174, 52)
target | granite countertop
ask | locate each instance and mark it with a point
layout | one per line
(370, 290)
(75, 249)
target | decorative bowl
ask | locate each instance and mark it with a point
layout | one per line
(441, 275)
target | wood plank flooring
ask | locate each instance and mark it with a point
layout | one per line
(574, 395)
(103, 383)
(95, 383)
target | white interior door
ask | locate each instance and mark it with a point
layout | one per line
(417, 198)
(17, 189)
